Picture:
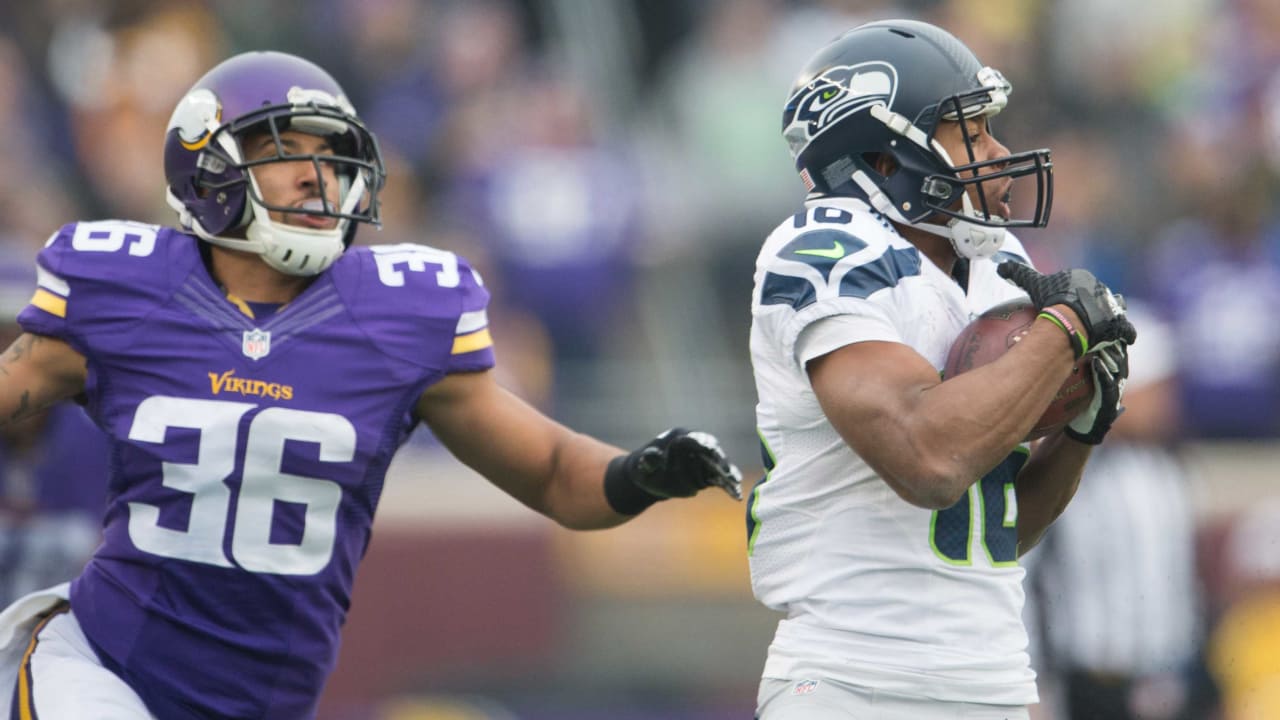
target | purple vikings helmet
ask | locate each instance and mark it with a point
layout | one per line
(883, 88)
(209, 183)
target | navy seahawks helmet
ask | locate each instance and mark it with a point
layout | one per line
(883, 88)
(209, 180)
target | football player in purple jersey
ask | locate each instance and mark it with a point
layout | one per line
(255, 374)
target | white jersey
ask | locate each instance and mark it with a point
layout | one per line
(878, 592)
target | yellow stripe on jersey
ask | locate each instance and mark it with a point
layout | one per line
(49, 302)
(26, 706)
(471, 342)
(244, 306)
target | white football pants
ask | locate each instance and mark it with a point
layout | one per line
(61, 678)
(822, 699)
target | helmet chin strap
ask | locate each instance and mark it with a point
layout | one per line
(294, 250)
(190, 223)
(971, 241)
(290, 250)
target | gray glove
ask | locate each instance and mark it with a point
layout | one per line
(1110, 367)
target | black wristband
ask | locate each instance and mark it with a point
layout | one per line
(623, 495)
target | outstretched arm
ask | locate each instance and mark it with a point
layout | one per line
(578, 481)
(36, 372)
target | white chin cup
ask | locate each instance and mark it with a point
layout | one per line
(973, 241)
(294, 250)
(970, 240)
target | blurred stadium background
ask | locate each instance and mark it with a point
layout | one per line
(611, 166)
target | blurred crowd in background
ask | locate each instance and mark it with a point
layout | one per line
(612, 166)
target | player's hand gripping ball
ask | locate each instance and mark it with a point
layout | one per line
(1000, 328)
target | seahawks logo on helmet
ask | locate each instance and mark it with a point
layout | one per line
(837, 92)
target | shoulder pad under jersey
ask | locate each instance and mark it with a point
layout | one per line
(420, 304)
(829, 251)
(105, 275)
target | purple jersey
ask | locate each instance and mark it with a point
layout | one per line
(248, 458)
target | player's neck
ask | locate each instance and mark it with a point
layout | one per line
(245, 276)
(935, 247)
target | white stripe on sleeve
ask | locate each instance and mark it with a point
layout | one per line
(51, 282)
(470, 322)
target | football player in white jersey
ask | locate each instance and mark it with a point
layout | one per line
(889, 525)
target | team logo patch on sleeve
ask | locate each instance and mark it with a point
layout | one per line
(257, 343)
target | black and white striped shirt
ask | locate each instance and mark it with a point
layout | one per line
(1115, 575)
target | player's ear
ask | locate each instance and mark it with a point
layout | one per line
(883, 163)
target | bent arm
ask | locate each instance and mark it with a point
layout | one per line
(536, 460)
(1053, 474)
(1046, 484)
(930, 440)
(36, 372)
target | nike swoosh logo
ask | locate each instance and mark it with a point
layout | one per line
(835, 252)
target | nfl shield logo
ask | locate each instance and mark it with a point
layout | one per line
(804, 687)
(257, 343)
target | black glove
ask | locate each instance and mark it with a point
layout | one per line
(1101, 311)
(1110, 367)
(677, 463)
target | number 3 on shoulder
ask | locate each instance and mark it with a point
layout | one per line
(393, 260)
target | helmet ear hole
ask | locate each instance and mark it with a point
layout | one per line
(882, 163)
